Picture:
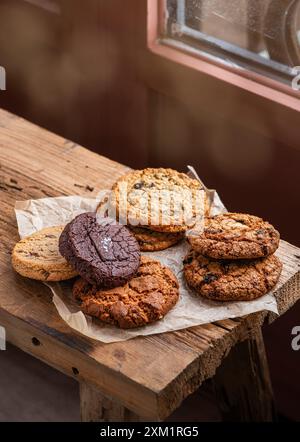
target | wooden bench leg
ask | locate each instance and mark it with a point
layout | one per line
(94, 407)
(242, 383)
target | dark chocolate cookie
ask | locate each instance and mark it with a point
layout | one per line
(236, 236)
(235, 280)
(106, 254)
(144, 299)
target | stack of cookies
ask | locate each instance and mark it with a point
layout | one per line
(233, 258)
(116, 286)
(157, 205)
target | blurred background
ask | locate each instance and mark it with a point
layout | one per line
(83, 70)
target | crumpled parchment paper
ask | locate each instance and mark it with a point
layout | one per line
(191, 310)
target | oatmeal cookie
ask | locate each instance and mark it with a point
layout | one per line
(222, 280)
(235, 236)
(160, 199)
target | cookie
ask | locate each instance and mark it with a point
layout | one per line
(160, 199)
(144, 299)
(151, 241)
(222, 280)
(105, 254)
(38, 257)
(235, 236)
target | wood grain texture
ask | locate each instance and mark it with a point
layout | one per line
(150, 376)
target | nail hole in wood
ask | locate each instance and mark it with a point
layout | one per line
(35, 341)
(75, 371)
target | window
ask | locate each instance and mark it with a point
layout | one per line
(261, 36)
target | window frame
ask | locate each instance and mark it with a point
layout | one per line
(180, 52)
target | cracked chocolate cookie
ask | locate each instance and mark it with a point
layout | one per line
(151, 241)
(37, 257)
(160, 199)
(236, 236)
(144, 299)
(105, 254)
(231, 280)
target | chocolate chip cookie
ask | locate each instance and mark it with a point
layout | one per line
(235, 236)
(144, 299)
(160, 199)
(105, 254)
(37, 257)
(222, 280)
(151, 241)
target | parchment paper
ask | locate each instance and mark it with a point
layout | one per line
(191, 310)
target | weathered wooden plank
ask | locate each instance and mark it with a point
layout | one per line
(242, 383)
(94, 407)
(150, 376)
(75, 361)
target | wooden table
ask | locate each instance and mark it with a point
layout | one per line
(145, 378)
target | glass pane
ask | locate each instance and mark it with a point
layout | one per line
(231, 20)
(265, 32)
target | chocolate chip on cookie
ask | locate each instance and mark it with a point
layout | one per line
(37, 257)
(146, 298)
(233, 280)
(235, 236)
(105, 254)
